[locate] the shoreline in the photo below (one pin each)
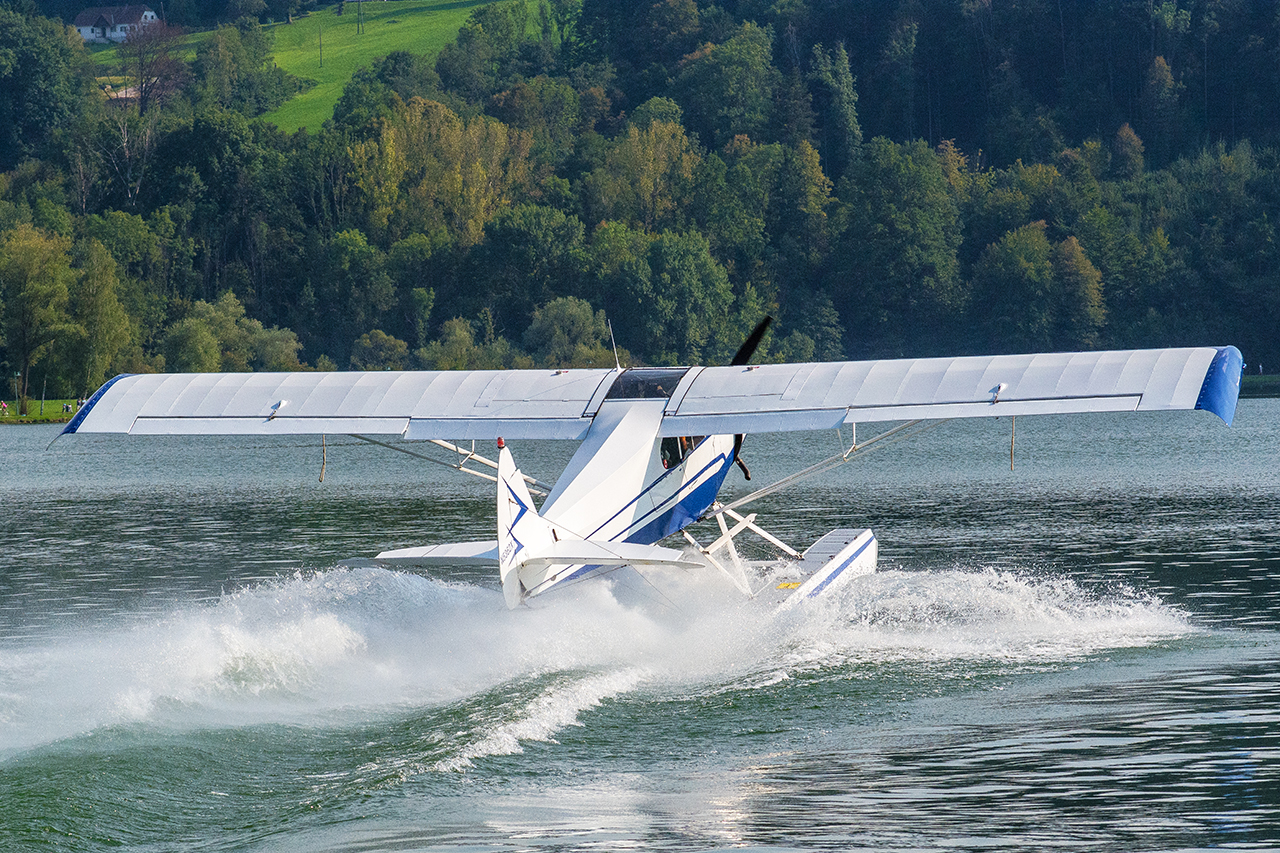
(27, 421)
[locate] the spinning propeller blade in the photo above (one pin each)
(741, 357)
(748, 348)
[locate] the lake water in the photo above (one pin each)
(1081, 653)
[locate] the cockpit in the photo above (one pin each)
(674, 449)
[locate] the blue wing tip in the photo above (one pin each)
(74, 423)
(1221, 388)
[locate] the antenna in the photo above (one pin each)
(616, 363)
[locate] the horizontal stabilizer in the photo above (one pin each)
(591, 552)
(449, 554)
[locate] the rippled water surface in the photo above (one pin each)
(1081, 653)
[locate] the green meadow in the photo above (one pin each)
(418, 26)
(48, 412)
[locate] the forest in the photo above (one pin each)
(886, 179)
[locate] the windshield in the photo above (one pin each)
(646, 382)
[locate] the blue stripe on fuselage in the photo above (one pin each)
(721, 460)
(686, 510)
(674, 519)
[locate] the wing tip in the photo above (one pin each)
(1221, 389)
(74, 424)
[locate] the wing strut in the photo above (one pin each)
(535, 486)
(898, 433)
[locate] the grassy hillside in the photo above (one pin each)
(418, 26)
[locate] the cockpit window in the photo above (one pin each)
(640, 383)
(675, 448)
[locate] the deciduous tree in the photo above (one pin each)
(42, 92)
(35, 278)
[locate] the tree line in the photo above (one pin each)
(909, 179)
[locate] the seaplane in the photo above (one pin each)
(656, 444)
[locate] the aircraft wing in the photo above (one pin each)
(415, 404)
(485, 404)
(788, 397)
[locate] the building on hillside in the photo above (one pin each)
(103, 24)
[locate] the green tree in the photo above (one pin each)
(531, 255)
(1081, 309)
(422, 300)
(1128, 150)
(548, 109)
(895, 267)
(728, 205)
(139, 266)
(484, 55)
(456, 349)
(103, 328)
(42, 92)
(1013, 292)
(234, 70)
(837, 109)
(354, 294)
(376, 350)
(429, 170)
(1160, 110)
(219, 337)
(417, 265)
(728, 89)
(682, 306)
(35, 279)
(645, 176)
(191, 346)
(566, 332)
(657, 109)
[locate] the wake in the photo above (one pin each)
(348, 646)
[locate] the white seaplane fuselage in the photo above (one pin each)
(625, 489)
(626, 485)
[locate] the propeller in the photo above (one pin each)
(748, 348)
(741, 357)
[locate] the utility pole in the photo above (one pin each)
(321, 29)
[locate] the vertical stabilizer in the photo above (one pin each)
(519, 527)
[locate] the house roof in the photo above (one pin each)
(112, 15)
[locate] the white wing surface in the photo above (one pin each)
(788, 397)
(422, 404)
(485, 404)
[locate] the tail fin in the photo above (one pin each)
(546, 552)
(521, 531)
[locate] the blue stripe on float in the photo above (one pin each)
(1221, 388)
(839, 570)
(75, 422)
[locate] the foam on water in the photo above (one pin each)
(345, 646)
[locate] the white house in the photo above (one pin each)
(103, 24)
